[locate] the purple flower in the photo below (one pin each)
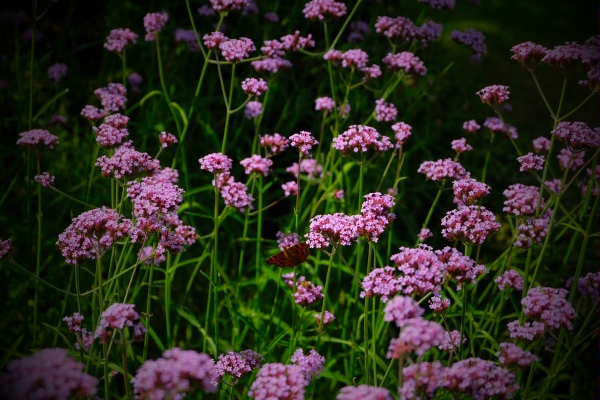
(555, 185)
(569, 159)
(495, 125)
(363, 392)
(494, 95)
(401, 310)
(278, 381)
(418, 335)
(472, 38)
(461, 146)
(112, 97)
(443, 169)
(358, 138)
(166, 139)
(254, 87)
(568, 58)
(541, 144)
(337, 227)
(310, 167)
(290, 188)
(420, 381)
(324, 104)
(511, 279)
(225, 6)
(459, 266)
(235, 50)
(439, 4)
(422, 271)
(272, 65)
(127, 163)
(187, 36)
(214, 40)
(354, 58)
(479, 379)
(91, 234)
(296, 42)
(583, 184)
(92, 113)
(424, 234)
(327, 319)
(273, 48)
(135, 79)
(529, 162)
(154, 22)
(177, 372)
(528, 332)
(577, 135)
(324, 9)
(311, 364)
(451, 341)
(549, 306)
(405, 61)
(253, 109)
(333, 56)
(271, 17)
(372, 72)
(521, 199)
(57, 71)
(469, 191)
(147, 252)
(286, 240)
(57, 120)
(471, 126)
(236, 365)
(375, 215)
(381, 282)
(48, 374)
(511, 356)
(111, 133)
(438, 304)
(119, 38)
(533, 230)
(397, 28)
(235, 194)
(37, 138)
(528, 54)
(276, 142)
(118, 316)
(216, 163)
(385, 111)
(402, 133)
(256, 164)
(304, 141)
(306, 292)
(469, 225)
(45, 180)
(588, 285)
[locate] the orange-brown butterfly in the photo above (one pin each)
(290, 257)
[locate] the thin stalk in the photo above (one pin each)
(435, 201)
(214, 266)
(78, 291)
(228, 116)
(164, 87)
(148, 302)
(168, 300)
(124, 361)
(38, 258)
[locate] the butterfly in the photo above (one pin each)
(290, 257)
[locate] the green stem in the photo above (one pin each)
(38, 258)
(537, 84)
(228, 116)
(214, 266)
(168, 300)
(164, 87)
(435, 201)
(148, 302)
(124, 361)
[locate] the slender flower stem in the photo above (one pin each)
(537, 84)
(164, 87)
(435, 201)
(148, 315)
(168, 300)
(214, 265)
(229, 112)
(38, 258)
(124, 361)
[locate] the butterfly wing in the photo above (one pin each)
(290, 257)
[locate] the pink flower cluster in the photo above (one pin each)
(111, 133)
(521, 199)
(312, 364)
(381, 282)
(57, 71)
(421, 380)
(528, 54)
(402, 133)
(339, 228)
(275, 142)
(119, 316)
(577, 135)
(175, 373)
(363, 392)
(549, 306)
(419, 335)
(224, 6)
(91, 234)
(235, 364)
(405, 61)
(569, 57)
(279, 381)
(324, 9)
(568, 159)
(303, 141)
(214, 40)
(439, 4)
(256, 165)
(235, 194)
(443, 169)
(328, 318)
(375, 215)
(452, 341)
(424, 234)
(290, 188)
(37, 138)
(354, 58)
(533, 230)
(216, 163)
(111, 97)
(126, 162)
(45, 180)
(494, 95)
(306, 292)
(385, 111)
(296, 42)
(460, 267)
(495, 124)
(511, 279)
(287, 240)
(402, 28)
(253, 109)
(187, 36)
(469, 225)
(324, 104)
(358, 138)
(254, 87)
(472, 38)
(588, 285)
(422, 270)
(511, 356)
(310, 167)
(529, 162)
(460, 146)
(471, 126)
(401, 310)
(119, 38)
(528, 332)
(74, 324)
(469, 191)
(541, 144)
(166, 139)
(235, 50)
(583, 184)
(48, 374)
(479, 379)
(5, 248)
(154, 22)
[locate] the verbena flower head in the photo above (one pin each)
(173, 375)
(439, 4)
(311, 364)
(381, 282)
(358, 138)
(286, 240)
(275, 142)
(303, 141)
(363, 392)
(91, 234)
(45, 180)
(273, 48)
(375, 215)
(549, 306)
(593, 79)
(385, 111)
(460, 267)
(469, 191)
(296, 42)
(344, 110)
(422, 271)
(57, 71)
(528, 332)
(235, 50)
(469, 225)
(430, 30)
(588, 285)
(583, 184)
(327, 319)
(461, 146)
(417, 336)
(541, 144)
(290, 188)
(424, 234)
(533, 230)
(472, 38)
(310, 167)
(57, 120)
(438, 304)
(494, 95)
(236, 365)
(213, 41)
(166, 139)
(154, 22)
(555, 185)
(224, 6)
(421, 380)
(118, 316)
(126, 162)
(253, 109)
(112, 132)
(354, 58)
(568, 57)
(372, 72)
(324, 9)
(529, 162)
(216, 163)
(279, 381)
(401, 310)
(471, 126)
(5, 248)
(92, 113)
(405, 61)
(521, 199)
(334, 56)
(256, 164)
(528, 54)
(324, 104)
(187, 36)
(113, 97)
(254, 87)
(306, 292)
(338, 227)
(398, 28)
(577, 135)
(271, 17)
(272, 65)
(568, 159)
(119, 38)
(402, 133)
(511, 279)
(495, 124)
(38, 139)
(451, 341)
(443, 169)
(148, 255)
(49, 374)
(512, 356)
(235, 194)
(135, 79)
(479, 379)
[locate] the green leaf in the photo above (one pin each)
(10, 352)
(192, 320)
(247, 322)
(49, 103)
(151, 94)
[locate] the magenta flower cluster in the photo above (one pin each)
(529, 162)
(287, 240)
(126, 162)
(310, 167)
(37, 139)
(279, 381)
(470, 191)
(113, 98)
(443, 169)
(216, 163)
(363, 392)
(312, 364)
(460, 267)
(256, 165)
(276, 143)
(306, 292)
(421, 380)
(324, 9)
(469, 225)
(401, 310)
(511, 279)
(57, 71)
(111, 133)
(339, 228)
(577, 135)
(451, 341)
(254, 87)
(385, 111)
(45, 180)
(418, 336)
(472, 38)
(303, 141)
(549, 306)
(358, 138)
(422, 271)
(521, 199)
(494, 95)
(511, 356)
(328, 318)
(528, 53)
(154, 22)
(471, 126)
(234, 50)
(405, 61)
(235, 364)
(119, 316)
(119, 38)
